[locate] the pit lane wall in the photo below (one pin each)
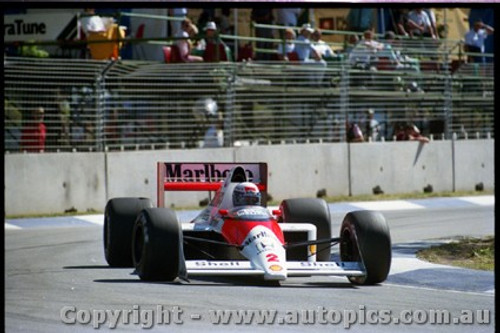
(56, 182)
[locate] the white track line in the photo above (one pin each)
(9, 226)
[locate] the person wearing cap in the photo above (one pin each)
(304, 48)
(34, 132)
(214, 49)
(308, 55)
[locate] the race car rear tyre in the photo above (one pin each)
(365, 236)
(314, 211)
(119, 219)
(156, 247)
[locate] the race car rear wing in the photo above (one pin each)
(192, 176)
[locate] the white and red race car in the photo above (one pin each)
(236, 234)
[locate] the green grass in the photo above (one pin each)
(467, 252)
(330, 199)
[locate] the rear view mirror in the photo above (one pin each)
(223, 212)
(276, 212)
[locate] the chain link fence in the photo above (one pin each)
(128, 105)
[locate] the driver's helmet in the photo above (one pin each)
(246, 194)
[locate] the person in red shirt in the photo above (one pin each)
(34, 133)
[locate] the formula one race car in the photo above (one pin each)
(236, 234)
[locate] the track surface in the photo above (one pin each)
(53, 268)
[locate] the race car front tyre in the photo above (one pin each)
(156, 247)
(119, 219)
(314, 211)
(365, 236)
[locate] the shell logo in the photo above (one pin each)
(275, 268)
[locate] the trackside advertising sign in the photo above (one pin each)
(38, 27)
(208, 172)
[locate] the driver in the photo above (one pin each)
(246, 194)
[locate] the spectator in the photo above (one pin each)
(363, 54)
(400, 21)
(214, 49)
(402, 61)
(34, 132)
(288, 47)
(360, 19)
(90, 22)
(176, 26)
(474, 40)
(262, 15)
(207, 15)
(320, 46)
(410, 132)
(225, 25)
(214, 135)
(420, 24)
(99, 29)
(370, 42)
(63, 116)
(308, 55)
(226, 28)
(372, 126)
(354, 133)
(288, 16)
(432, 18)
(184, 45)
(112, 129)
(305, 50)
(351, 43)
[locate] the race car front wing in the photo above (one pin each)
(294, 268)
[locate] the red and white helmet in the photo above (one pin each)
(245, 194)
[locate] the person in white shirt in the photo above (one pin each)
(91, 22)
(320, 46)
(420, 24)
(474, 40)
(288, 47)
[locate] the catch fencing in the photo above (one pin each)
(131, 105)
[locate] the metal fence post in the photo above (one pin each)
(229, 109)
(100, 90)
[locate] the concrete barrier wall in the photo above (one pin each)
(55, 182)
(50, 183)
(474, 164)
(301, 170)
(401, 167)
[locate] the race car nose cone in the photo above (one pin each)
(266, 253)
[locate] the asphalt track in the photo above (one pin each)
(55, 270)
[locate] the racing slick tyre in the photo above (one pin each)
(119, 219)
(364, 236)
(156, 247)
(314, 211)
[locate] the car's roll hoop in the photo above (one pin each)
(207, 176)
